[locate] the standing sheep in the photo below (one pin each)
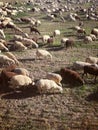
(46, 84)
(70, 76)
(56, 33)
(12, 56)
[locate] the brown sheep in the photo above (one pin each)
(90, 70)
(69, 43)
(71, 77)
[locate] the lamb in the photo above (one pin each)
(55, 77)
(81, 32)
(19, 81)
(43, 53)
(69, 43)
(71, 77)
(94, 31)
(6, 60)
(12, 56)
(46, 84)
(91, 59)
(63, 41)
(3, 47)
(93, 70)
(79, 65)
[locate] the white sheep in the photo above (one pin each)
(29, 42)
(93, 37)
(46, 84)
(2, 34)
(3, 47)
(55, 77)
(43, 53)
(45, 38)
(78, 65)
(17, 37)
(19, 81)
(6, 60)
(88, 39)
(91, 59)
(56, 33)
(19, 45)
(12, 56)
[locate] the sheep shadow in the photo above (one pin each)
(27, 59)
(55, 48)
(92, 97)
(29, 92)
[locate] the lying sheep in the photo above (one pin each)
(4, 60)
(3, 47)
(55, 77)
(19, 81)
(93, 70)
(12, 56)
(91, 59)
(71, 77)
(43, 53)
(79, 65)
(46, 84)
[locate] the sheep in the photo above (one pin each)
(45, 38)
(55, 77)
(93, 37)
(19, 81)
(88, 39)
(70, 76)
(5, 77)
(12, 56)
(63, 41)
(69, 43)
(18, 46)
(3, 47)
(43, 53)
(56, 33)
(81, 32)
(79, 65)
(93, 70)
(2, 34)
(91, 59)
(21, 71)
(46, 84)
(6, 60)
(94, 31)
(29, 42)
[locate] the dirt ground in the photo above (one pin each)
(75, 109)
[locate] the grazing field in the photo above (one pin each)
(74, 109)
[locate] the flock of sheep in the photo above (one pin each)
(16, 77)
